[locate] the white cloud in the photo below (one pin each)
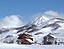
(53, 13)
(11, 21)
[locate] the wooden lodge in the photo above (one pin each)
(24, 39)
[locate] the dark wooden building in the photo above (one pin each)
(49, 40)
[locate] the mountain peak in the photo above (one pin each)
(40, 20)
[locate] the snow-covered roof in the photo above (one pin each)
(53, 36)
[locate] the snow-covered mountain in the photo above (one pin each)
(40, 27)
(43, 22)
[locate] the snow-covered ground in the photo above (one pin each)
(16, 46)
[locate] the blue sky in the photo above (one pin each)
(27, 8)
